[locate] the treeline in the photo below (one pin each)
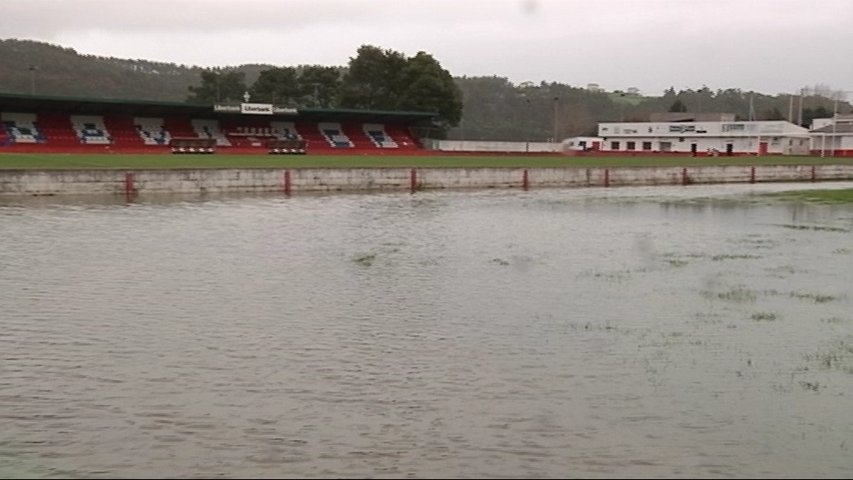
(472, 108)
(496, 109)
(375, 79)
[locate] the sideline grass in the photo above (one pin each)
(817, 196)
(19, 161)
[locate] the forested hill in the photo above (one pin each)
(62, 71)
(493, 107)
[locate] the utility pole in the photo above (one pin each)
(527, 126)
(834, 121)
(751, 108)
(33, 79)
(556, 112)
(800, 115)
(791, 108)
(316, 86)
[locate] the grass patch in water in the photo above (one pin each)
(816, 196)
(812, 386)
(737, 294)
(815, 297)
(816, 228)
(615, 275)
(717, 258)
(838, 356)
(782, 270)
(365, 260)
(764, 316)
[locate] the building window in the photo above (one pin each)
(582, 144)
(630, 145)
(647, 145)
(614, 145)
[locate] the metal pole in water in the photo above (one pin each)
(129, 189)
(413, 180)
(525, 180)
(287, 182)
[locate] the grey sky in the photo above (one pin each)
(771, 46)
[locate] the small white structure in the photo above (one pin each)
(832, 137)
(699, 138)
(581, 144)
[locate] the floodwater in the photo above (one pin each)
(694, 331)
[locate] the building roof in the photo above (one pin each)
(144, 108)
(691, 117)
(840, 128)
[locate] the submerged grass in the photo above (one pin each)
(737, 294)
(365, 260)
(764, 316)
(816, 196)
(817, 228)
(717, 258)
(838, 356)
(815, 297)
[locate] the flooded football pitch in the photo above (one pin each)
(702, 331)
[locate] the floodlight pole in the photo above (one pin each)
(316, 94)
(556, 111)
(834, 122)
(527, 126)
(32, 79)
(836, 97)
(800, 115)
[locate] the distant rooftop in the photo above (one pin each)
(691, 117)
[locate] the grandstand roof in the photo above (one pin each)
(144, 108)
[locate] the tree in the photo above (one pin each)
(277, 85)
(677, 106)
(219, 85)
(320, 86)
(373, 79)
(772, 114)
(429, 87)
(809, 114)
(385, 79)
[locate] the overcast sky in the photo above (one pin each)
(770, 46)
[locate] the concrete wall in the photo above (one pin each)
(485, 146)
(392, 179)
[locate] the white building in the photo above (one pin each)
(832, 136)
(581, 144)
(727, 138)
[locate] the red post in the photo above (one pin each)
(413, 180)
(525, 180)
(606, 177)
(129, 189)
(814, 173)
(287, 182)
(751, 174)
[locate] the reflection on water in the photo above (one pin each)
(675, 332)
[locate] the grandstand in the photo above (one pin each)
(62, 124)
